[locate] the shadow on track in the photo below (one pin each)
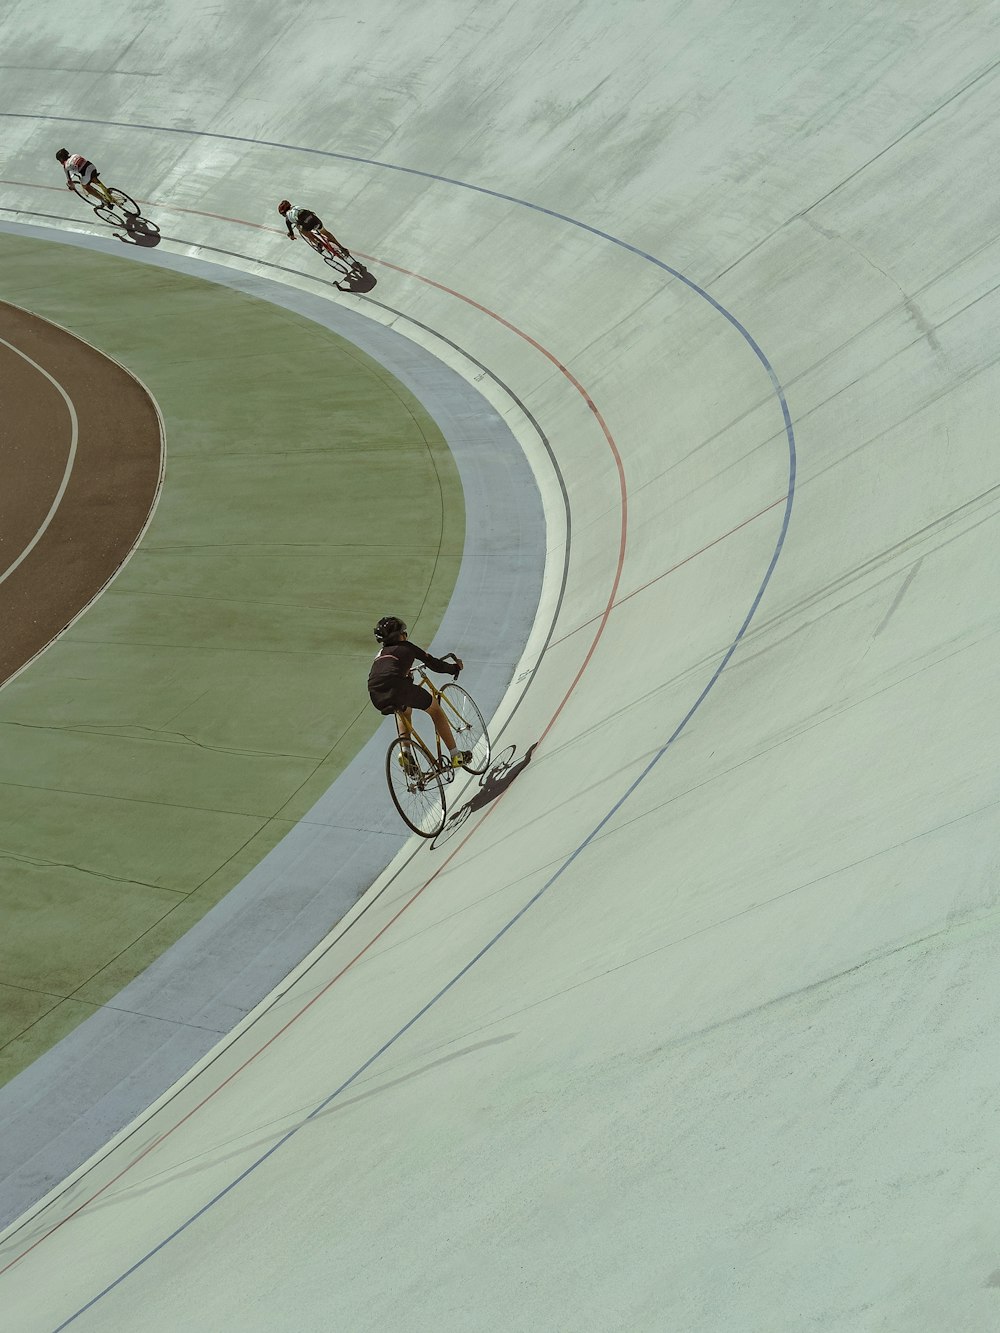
(491, 785)
(139, 231)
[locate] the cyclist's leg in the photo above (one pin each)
(410, 695)
(442, 726)
(331, 240)
(401, 717)
(94, 186)
(404, 730)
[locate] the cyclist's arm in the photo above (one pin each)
(435, 663)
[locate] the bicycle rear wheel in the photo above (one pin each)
(467, 723)
(415, 787)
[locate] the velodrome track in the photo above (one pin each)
(694, 1027)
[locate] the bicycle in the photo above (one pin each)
(117, 207)
(416, 775)
(358, 279)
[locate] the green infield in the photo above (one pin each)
(167, 741)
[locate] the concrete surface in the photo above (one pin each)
(694, 1028)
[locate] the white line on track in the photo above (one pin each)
(67, 471)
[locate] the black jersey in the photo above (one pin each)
(395, 663)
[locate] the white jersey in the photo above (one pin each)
(295, 215)
(76, 165)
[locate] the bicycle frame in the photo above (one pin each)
(407, 732)
(84, 193)
(322, 246)
(352, 274)
(110, 204)
(417, 776)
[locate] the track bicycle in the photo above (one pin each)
(354, 277)
(418, 775)
(117, 206)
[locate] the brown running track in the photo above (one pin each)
(110, 492)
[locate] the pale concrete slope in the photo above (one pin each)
(694, 1037)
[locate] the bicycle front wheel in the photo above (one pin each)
(467, 723)
(415, 787)
(122, 201)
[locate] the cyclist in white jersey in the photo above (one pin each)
(310, 228)
(81, 171)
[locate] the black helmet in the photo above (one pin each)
(62, 155)
(389, 630)
(283, 207)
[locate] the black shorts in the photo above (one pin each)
(396, 694)
(309, 222)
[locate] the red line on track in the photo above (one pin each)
(595, 410)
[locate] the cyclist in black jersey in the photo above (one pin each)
(392, 689)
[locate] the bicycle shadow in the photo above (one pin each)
(492, 785)
(358, 281)
(139, 231)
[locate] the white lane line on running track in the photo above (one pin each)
(67, 471)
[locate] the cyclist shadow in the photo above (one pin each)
(358, 281)
(492, 785)
(139, 231)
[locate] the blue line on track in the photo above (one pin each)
(790, 436)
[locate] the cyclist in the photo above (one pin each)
(310, 228)
(392, 689)
(77, 167)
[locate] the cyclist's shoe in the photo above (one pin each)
(409, 765)
(460, 758)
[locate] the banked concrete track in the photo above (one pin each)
(694, 1026)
